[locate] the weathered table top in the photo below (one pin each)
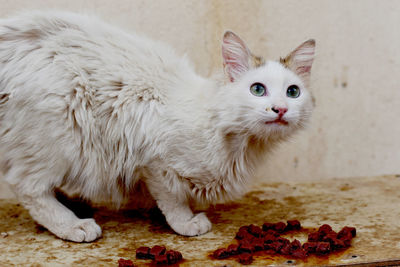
(371, 204)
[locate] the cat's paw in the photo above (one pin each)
(84, 230)
(197, 225)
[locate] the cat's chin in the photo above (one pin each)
(278, 128)
(277, 122)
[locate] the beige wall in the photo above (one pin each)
(355, 130)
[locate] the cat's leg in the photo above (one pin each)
(171, 197)
(36, 194)
(58, 219)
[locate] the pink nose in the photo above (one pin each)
(280, 111)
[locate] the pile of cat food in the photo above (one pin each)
(158, 254)
(268, 238)
(252, 238)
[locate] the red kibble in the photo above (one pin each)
(246, 247)
(333, 240)
(245, 242)
(245, 258)
(324, 229)
(283, 240)
(263, 233)
(173, 256)
(240, 234)
(258, 244)
(155, 251)
(299, 253)
(329, 237)
(178, 255)
(244, 235)
(346, 239)
(295, 245)
(221, 253)
(323, 248)
(143, 253)
(271, 232)
(233, 249)
(275, 246)
(347, 230)
(280, 227)
(269, 247)
(293, 225)
(249, 237)
(161, 259)
(268, 226)
(352, 230)
(255, 230)
(314, 237)
(269, 251)
(125, 263)
(331, 234)
(269, 238)
(285, 249)
(346, 242)
(310, 247)
(337, 243)
(244, 228)
(344, 235)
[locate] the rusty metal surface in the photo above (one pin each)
(371, 204)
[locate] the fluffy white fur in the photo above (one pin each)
(87, 107)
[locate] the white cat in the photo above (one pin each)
(87, 107)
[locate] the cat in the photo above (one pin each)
(86, 107)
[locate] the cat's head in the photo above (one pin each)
(266, 98)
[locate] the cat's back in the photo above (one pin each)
(77, 91)
(68, 45)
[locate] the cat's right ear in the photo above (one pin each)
(301, 59)
(235, 55)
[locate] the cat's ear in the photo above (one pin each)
(300, 60)
(235, 55)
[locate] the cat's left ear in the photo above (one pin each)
(300, 60)
(235, 55)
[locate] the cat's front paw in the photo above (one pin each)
(84, 230)
(197, 225)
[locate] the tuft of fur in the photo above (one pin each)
(88, 108)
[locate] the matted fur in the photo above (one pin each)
(87, 107)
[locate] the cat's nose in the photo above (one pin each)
(279, 110)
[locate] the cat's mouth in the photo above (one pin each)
(277, 121)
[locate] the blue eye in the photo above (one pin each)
(258, 89)
(293, 91)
